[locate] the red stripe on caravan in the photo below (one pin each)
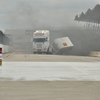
(0, 50)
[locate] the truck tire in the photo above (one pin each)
(39, 52)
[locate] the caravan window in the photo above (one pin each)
(39, 40)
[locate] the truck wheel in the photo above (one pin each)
(39, 52)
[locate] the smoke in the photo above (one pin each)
(26, 16)
(23, 16)
(84, 40)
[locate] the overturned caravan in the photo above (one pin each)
(61, 45)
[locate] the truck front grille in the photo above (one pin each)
(39, 46)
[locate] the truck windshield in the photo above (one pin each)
(39, 40)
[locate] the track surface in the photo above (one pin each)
(50, 71)
(49, 90)
(67, 69)
(47, 58)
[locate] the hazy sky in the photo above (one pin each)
(33, 13)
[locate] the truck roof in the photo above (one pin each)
(42, 31)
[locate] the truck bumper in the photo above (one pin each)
(40, 51)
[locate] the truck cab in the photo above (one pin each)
(41, 42)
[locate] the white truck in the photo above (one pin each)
(41, 41)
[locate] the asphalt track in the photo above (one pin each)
(50, 71)
(44, 77)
